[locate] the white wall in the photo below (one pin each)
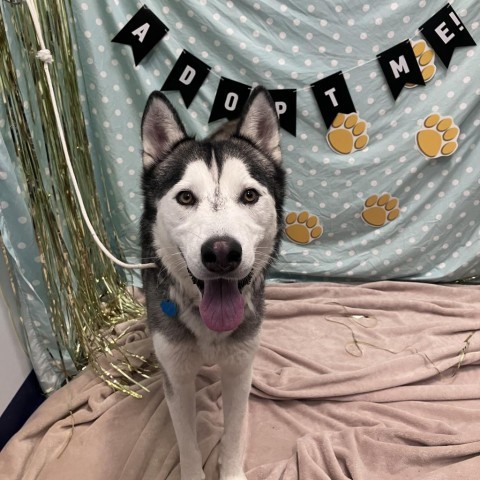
(14, 363)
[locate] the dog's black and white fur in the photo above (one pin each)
(212, 223)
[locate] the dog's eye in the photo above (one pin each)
(250, 196)
(186, 197)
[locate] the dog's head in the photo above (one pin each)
(215, 206)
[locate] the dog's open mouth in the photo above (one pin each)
(222, 304)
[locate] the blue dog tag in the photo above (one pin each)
(168, 307)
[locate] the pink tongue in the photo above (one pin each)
(222, 305)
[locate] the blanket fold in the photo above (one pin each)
(376, 381)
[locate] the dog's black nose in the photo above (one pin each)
(221, 254)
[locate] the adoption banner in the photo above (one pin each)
(333, 97)
(407, 64)
(400, 67)
(142, 33)
(187, 76)
(286, 106)
(229, 100)
(445, 32)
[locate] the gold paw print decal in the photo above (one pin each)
(302, 227)
(380, 210)
(347, 134)
(438, 136)
(426, 60)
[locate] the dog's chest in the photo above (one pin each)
(215, 350)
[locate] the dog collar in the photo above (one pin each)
(169, 308)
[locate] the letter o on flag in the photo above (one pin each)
(231, 101)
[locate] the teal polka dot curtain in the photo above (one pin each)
(388, 192)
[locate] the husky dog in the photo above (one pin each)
(212, 223)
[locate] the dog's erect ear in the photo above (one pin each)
(259, 123)
(161, 128)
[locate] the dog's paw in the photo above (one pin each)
(438, 136)
(230, 466)
(426, 61)
(191, 467)
(232, 476)
(380, 210)
(192, 475)
(347, 134)
(302, 227)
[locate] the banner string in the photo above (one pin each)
(46, 57)
(417, 33)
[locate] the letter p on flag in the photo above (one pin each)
(285, 101)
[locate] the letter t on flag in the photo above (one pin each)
(400, 67)
(333, 97)
(142, 33)
(187, 76)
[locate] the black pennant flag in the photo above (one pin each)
(333, 97)
(400, 67)
(142, 33)
(187, 76)
(286, 106)
(229, 100)
(445, 32)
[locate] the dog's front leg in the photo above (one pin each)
(236, 384)
(180, 397)
(180, 365)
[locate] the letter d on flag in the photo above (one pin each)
(187, 76)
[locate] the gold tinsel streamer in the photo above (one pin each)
(87, 297)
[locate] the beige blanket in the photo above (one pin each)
(368, 382)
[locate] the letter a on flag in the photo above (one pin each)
(142, 33)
